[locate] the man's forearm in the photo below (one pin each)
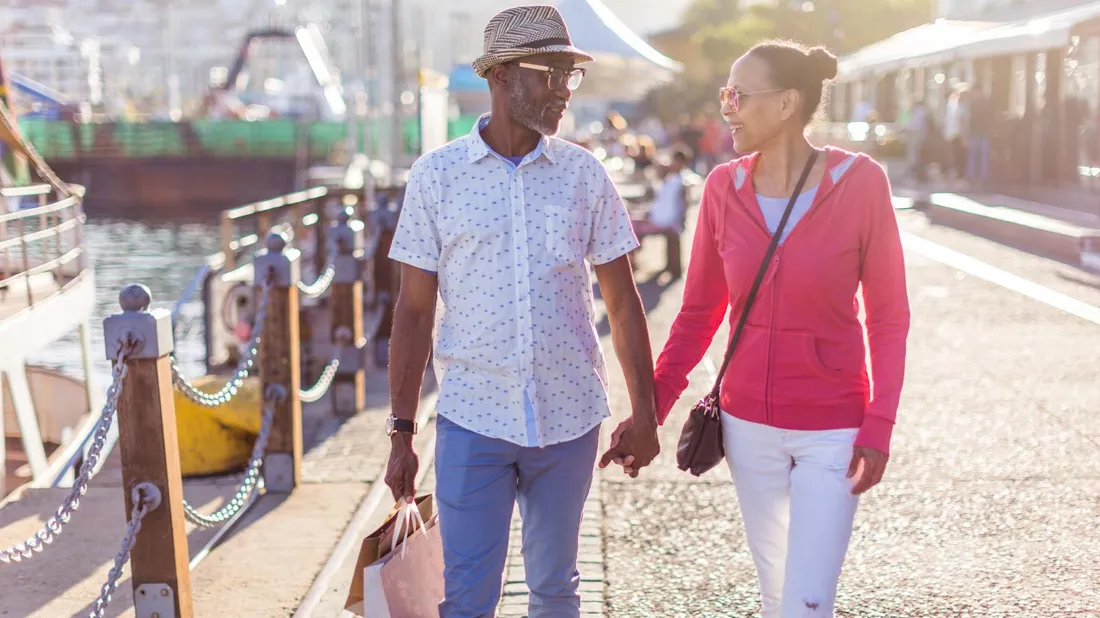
(630, 337)
(410, 346)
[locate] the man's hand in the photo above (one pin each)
(634, 445)
(402, 468)
(870, 472)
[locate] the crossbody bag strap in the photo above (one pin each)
(763, 271)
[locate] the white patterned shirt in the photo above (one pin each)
(509, 246)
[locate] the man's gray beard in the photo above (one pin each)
(524, 112)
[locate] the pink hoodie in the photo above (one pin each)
(801, 362)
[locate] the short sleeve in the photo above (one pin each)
(612, 234)
(416, 241)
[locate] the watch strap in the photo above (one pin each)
(405, 425)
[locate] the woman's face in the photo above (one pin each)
(756, 110)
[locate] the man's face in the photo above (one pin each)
(531, 102)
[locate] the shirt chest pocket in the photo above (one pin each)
(562, 232)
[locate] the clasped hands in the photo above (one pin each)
(634, 444)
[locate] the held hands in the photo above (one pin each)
(870, 472)
(634, 445)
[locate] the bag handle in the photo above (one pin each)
(714, 393)
(410, 517)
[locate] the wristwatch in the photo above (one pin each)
(394, 425)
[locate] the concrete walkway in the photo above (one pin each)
(264, 567)
(988, 509)
(990, 502)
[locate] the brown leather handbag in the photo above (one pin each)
(701, 447)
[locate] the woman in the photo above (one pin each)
(804, 431)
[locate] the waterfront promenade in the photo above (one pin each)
(988, 508)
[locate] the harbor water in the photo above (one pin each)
(162, 254)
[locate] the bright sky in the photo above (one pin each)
(642, 16)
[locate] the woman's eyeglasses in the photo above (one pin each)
(555, 77)
(734, 98)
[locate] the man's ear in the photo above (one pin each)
(499, 75)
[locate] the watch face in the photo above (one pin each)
(389, 425)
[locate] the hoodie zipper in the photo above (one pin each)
(771, 337)
(819, 198)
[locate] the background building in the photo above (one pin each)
(1000, 10)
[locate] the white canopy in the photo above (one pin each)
(626, 67)
(946, 41)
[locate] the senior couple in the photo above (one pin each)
(501, 226)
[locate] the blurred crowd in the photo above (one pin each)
(659, 168)
(704, 139)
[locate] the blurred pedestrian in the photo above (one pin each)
(978, 120)
(954, 133)
(805, 432)
(919, 141)
(502, 226)
(666, 211)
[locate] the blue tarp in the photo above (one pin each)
(464, 79)
(49, 101)
(596, 30)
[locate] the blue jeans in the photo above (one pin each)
(977, 164)
(478, 479)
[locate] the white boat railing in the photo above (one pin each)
(42, 257)
(47, 239)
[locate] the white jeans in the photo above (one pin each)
(798, 509)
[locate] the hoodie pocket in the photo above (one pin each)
(798, 375)
(784, 368)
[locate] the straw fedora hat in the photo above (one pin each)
(525, 31)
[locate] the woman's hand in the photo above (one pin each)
(870, 472)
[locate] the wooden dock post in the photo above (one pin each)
(226, 232)
(149, 448)
(280, 360)
(349, 386)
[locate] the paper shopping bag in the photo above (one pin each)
(408, 582)
(376, 545)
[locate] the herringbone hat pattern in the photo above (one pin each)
(525, 31)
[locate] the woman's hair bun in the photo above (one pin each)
(824, 63)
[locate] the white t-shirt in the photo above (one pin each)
(667, 209)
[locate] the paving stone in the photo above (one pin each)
(990, 501)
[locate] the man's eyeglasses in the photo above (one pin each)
(734, 98)
(555, 77)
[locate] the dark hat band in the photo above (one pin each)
(546, 43)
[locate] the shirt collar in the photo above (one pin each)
(477, 149)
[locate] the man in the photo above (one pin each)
(500, 224)
(666, 211)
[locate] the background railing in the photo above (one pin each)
(41, 247)
(139, 342)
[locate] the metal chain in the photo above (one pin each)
(273, 394)
(35, 544)
(324, 382)
(244, 367)
(146, 498)
(319, 287)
